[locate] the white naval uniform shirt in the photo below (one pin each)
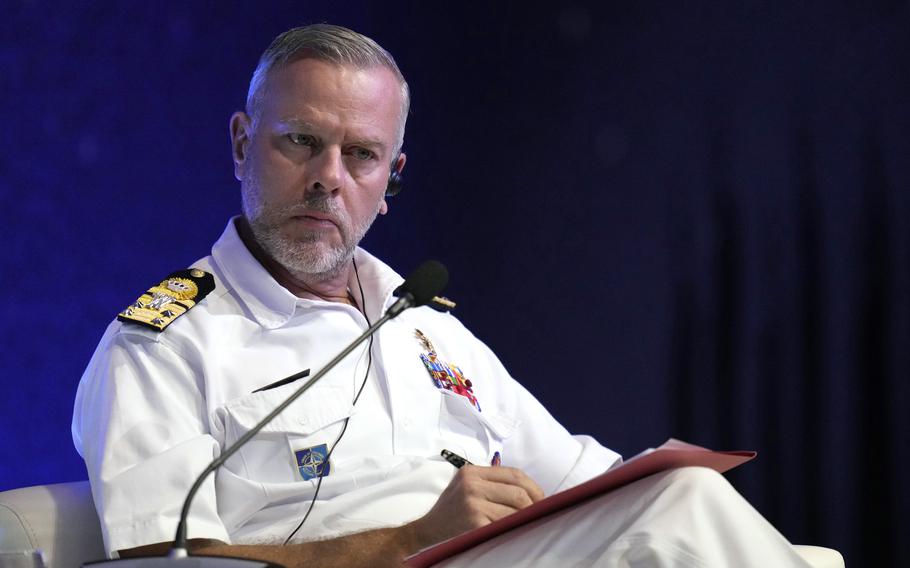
(153, 409)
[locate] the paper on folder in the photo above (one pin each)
(670, 455)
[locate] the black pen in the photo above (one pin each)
(454, 458)
(285, 381)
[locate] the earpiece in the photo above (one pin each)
(395, 181)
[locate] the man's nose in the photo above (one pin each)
(326, 170)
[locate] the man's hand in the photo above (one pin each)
(475, 497)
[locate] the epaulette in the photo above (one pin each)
(170, 299)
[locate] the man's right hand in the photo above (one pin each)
(475, 497)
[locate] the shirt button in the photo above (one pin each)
(406, 423)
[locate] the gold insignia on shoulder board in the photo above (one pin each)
(170, 299)
(178, 288)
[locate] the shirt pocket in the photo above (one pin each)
(475, 435)
(315, 418)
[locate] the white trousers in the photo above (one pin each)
(689, 517)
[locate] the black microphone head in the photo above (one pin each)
(426, 281)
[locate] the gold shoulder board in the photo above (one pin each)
(170, 299)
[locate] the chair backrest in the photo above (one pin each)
(58, 519)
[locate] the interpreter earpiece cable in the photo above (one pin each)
(344, 427)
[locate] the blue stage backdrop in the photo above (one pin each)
(667, 221)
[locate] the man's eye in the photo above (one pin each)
(362, 154)
(301, 139)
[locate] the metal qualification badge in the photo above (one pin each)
(445, 375)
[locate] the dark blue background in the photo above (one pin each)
(667, 221)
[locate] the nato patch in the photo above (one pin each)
(313, 462)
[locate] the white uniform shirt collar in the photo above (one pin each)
(271, 304)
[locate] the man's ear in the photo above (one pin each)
(399, 163)
(241, 131)
(398, 166)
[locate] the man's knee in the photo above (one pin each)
(700, 483)
(697, 477)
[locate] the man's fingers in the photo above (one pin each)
(512, 496)
(476, 496)
(512, 489)
(490, 511)
(508, 476)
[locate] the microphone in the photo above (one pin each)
(418, 289)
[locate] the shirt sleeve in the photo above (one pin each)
(139, 424)
(547, 452)
(539, 445)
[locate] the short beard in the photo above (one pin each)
(305, 258)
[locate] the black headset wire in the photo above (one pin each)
(344, 427)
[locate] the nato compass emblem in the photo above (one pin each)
(313, 462)
(445, 375)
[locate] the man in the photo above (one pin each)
(350, 474)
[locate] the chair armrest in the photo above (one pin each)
(819, 557)
(58, 519)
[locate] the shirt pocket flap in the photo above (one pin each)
(314, 410)
(500, 425)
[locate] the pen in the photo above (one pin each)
(285, 381)
(454, 458)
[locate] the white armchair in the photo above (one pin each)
(61, 521)
(58, 519)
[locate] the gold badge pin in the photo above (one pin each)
(443, 303)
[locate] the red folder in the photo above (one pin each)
(670, 455)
